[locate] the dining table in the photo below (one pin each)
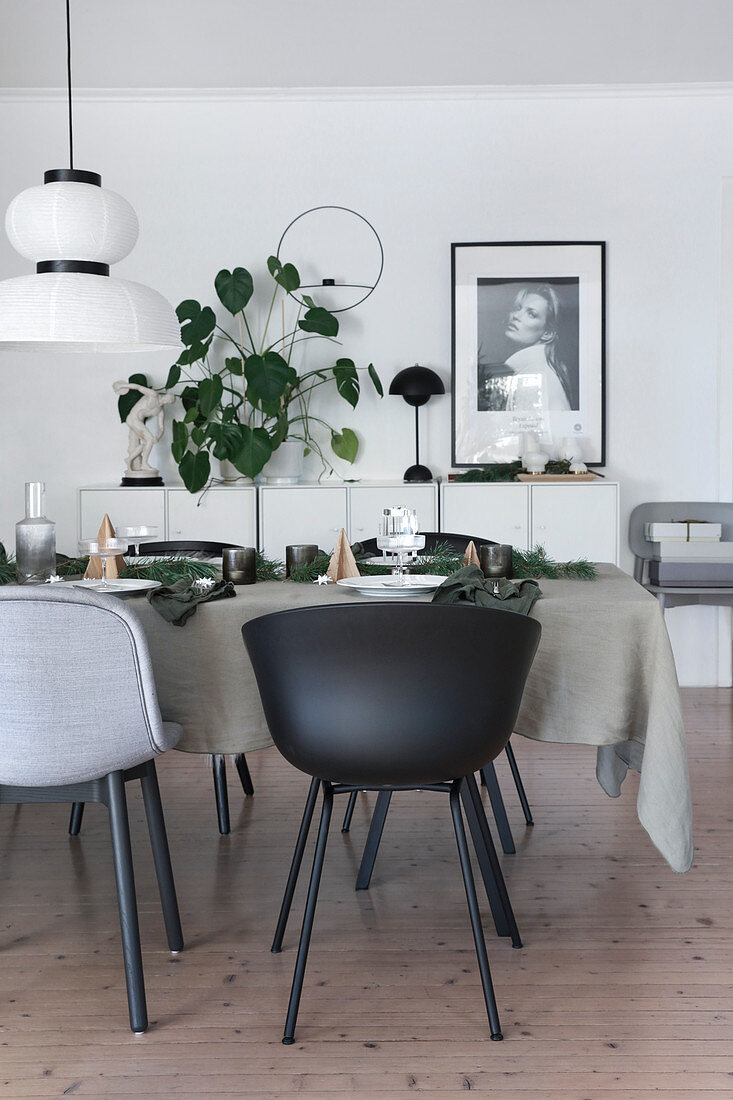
(604, 675)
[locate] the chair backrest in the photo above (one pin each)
(391, 693)
(77, 696)
(663, 511)
(183, 546)
(433, 539)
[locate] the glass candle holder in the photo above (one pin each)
(496, 561)
(301, 553)
(239, 564)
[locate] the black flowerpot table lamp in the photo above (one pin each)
(417, 385)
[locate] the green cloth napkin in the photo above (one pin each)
(470, 585)
(177, 602)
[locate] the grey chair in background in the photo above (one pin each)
(662, 511)
(79, 718)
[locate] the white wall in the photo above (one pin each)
(333, 43)
(214, 182)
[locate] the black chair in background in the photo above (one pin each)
(189, 547)
(433, 539)
(198, 550)
(429, 698)
(488, 775)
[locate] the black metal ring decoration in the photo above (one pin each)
(369, 287)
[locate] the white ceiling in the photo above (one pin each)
(369, 43)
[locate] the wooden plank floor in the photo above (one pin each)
(624, 988)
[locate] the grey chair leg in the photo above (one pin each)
(372, 844)
(349, 812)
(497, 805)
(240, 762)
(219, 768)
(77, 812)
(127, 902)
(487, 871)
(305, 824)
(519, 784)
(470, 782)
(161, 857)
(478, 935)
(310, 909)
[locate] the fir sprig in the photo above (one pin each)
(7, 567)
(537, 563)
(169, 570)
(268, 569)
(310, 571)
(165, 570)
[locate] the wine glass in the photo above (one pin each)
(104, 548)
(136, 535)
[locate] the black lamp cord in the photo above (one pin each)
(68, 84)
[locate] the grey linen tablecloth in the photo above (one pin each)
(604, 675)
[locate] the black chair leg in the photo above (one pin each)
(240, 762)
(310, 909)
(77, 813)
(305, 824)
(372, 844)
(349, 812)
(498, 911)
(519, 784)
(498, 877)
(161, 857)
(219, 767)
(127, 902)
(497, 805)
(478, 935)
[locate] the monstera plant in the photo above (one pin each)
(241, 395)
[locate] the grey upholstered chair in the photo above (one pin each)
(78, 719)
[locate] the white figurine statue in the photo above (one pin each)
(151, 404)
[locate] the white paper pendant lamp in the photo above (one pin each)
(73, 229)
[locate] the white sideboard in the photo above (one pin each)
(570, 521)
(218, 515)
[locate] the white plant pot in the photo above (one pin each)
(285, 467)
(229, 473)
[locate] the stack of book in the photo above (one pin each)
(689, 553)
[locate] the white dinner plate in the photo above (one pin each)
(415, 584)
(120, 586)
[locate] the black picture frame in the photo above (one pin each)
(528, 348)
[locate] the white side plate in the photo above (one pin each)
(118, 587)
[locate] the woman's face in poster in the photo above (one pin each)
(528, 319)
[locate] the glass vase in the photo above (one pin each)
(35, 538)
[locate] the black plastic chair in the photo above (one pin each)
(202, 550)
(433, 539)
(488, 775)
(184, 546)
(428, 699)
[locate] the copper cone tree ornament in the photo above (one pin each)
(342, 563)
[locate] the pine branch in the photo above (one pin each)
(268, 569)
(169, 570)
(537, 563)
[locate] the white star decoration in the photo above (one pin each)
(325, 579)
(203, 583)
(54, 578)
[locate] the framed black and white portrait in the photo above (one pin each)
(528, 348)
